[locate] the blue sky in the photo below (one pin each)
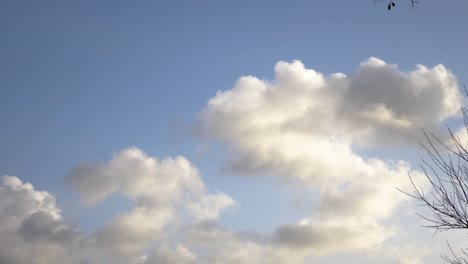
(81, 80)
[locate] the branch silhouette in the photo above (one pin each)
(447, 175)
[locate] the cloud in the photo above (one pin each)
(235, 247)
(304, 127)
(164, 192)
(374, 106)
(166, 255)
(167, 195)
(459, 140)
(332, 235)
(32, 229)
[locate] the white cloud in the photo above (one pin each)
(164, 192)
(375, 105)
(32, 229)
(167, 194)
(303, 126)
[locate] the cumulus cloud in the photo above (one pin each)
(234, 247)
(167, 194)
(304, 126)
(331, 235)
(375, 105)
(163, 192)
(167, 255)
(32, 229)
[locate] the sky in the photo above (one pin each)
(232, 132)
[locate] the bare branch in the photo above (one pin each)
(447, 174)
